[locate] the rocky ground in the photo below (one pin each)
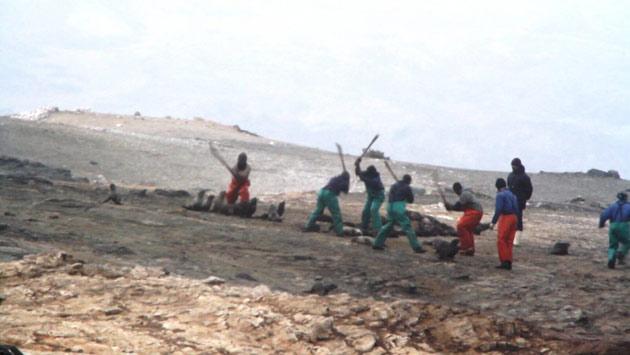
(132, 278)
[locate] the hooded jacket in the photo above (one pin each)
(400, 191)
(521, 185)
(339, 183)
(617, 212)
(372, 180)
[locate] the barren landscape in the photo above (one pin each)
(151, 277)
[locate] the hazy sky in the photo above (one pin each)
(456, 83)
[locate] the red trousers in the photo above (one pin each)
(237, 190)
(505, 236)
(466, 230)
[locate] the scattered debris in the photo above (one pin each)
(560, 248)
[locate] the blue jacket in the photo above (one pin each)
(617, 212)
(372, 181)
(400, 192)
(506, 203)
(339, 183)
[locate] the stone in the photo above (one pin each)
(246, 276)
(110, 311)
(213, 280)
(560, 248)
(363, 343)
(362, 239)
(322, 288)
(321, 330)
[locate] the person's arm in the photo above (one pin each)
(528, 188)
(357, 167)
(345, 185)
(497, 209)
(605, 216)
(409, 195)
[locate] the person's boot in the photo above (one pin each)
(621, 259)
(611, 264)
(420, 250)
(313, 228)
(378, 247)
(506, 265)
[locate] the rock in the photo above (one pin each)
(137, 114)
(245, 276)
(560, 248)
(113, 249)
(603, 174)
(2, 298)
(110, 311)
(322, 288)
(213, 280)
(363, 343)
(92, 162)
(321, 330)
(9, 214)
(3, 227)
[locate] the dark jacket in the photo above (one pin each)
(400, 191)
(505, 204)
(339, 183)
(617, 212)
(372, 181)
(521, 185)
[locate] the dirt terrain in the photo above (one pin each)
(551, 304)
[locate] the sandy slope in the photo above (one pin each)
(173, 153)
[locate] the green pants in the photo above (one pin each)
(371, 210)
(618, 232)
(397, 213)
(327, 199)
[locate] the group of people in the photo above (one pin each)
(511, 200)
(510, 203)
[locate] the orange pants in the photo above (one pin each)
(237, 190)
(505, 236)
(466, 230)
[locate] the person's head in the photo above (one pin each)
(500, 184)
(242, 161)
(407, 179)
(457, 188)
(516, 164)
(371, 170)
(622, 196)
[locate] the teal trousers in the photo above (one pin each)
(371, 210)
(618, 232)
(327, 199)
(397, 213)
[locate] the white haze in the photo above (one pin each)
(465, 84)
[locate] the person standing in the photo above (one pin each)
(466, 224)
(619, 231)
(375, 196)
(399, 195)
(327, 198)
(239, 186)
(521, 185)
(506, 214)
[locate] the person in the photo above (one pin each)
(239, 186)
(327, 198)
(521, 185)
(399, 195)
(375, 197)
(506, 214)
(466, 224)
(618, 232)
